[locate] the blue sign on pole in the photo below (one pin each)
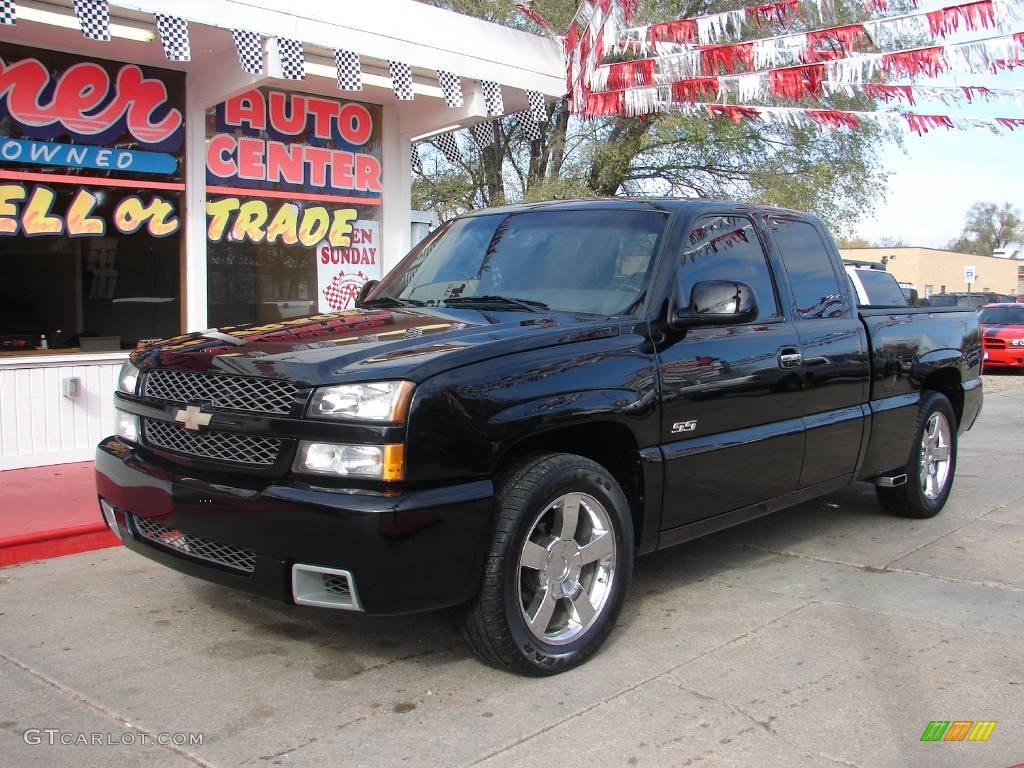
(83, 156)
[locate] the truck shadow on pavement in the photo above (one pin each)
(345, 644)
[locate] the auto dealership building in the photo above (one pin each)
(174, 165)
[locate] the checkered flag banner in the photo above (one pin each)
(449, 148)
(415, 159)
(531, 128)
(492, 98)
(249, 46)
(451, 84)
(341, 293)
(7, 13)
(293, 64)
(537, 109)
(173, 37)
(94, 18)
(350, 73)
(401, 79)
(483, 134)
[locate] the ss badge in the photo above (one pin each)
(684, 426)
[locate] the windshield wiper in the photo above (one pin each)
(506, 301)
(392, 301)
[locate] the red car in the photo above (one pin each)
(1002, 335)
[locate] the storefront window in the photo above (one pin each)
(91, 163)
(293, 211)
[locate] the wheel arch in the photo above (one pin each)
(611, 444)
(948, 381)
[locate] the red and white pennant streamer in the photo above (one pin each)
(825, 61)
(832, 119)
(728, 25)
(988, 55)
(815, 46)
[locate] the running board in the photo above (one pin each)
(891, 481)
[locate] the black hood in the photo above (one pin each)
(367, 344)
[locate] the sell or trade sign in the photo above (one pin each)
(341, 271)
(31, 210)
(259, 221)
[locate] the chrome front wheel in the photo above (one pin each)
(566, 568)
(558, 568)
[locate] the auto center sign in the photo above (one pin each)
(275, 154)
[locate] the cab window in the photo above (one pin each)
(809, 266)
(727, 248)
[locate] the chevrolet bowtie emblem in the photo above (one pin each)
(193, 418)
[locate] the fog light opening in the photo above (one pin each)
(324, 587)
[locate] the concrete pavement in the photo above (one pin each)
(825, 635)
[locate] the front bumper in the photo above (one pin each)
(406, 551)
(1011, 357)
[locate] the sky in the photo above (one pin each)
(936, 177)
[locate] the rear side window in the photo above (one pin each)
(727, 248)
(881, 288)
(807, 260)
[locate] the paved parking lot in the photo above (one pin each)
(826, 635)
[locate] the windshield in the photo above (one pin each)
(588, 261)
(1002, 315)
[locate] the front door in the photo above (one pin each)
(732, 432)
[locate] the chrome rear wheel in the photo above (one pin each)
(934, 456)
(931, 466)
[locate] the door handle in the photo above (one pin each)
(790, 357)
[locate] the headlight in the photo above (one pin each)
(375, 401)
(379, 462)
(128, 379)
(1017, 342)
(126, 425)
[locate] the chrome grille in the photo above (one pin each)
(211, 444)
(241, 393)
(196, 546)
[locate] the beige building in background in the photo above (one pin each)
(932, 270)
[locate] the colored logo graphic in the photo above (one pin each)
(958, 730)
(343, 290)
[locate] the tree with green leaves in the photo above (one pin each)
(835, 174)
(988, 227)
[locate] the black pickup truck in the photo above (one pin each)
(532, 398)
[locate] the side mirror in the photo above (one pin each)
(368, 286)
(716, 302)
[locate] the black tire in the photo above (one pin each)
(493, 624)
(910, 499)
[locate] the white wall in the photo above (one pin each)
(38, 425)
